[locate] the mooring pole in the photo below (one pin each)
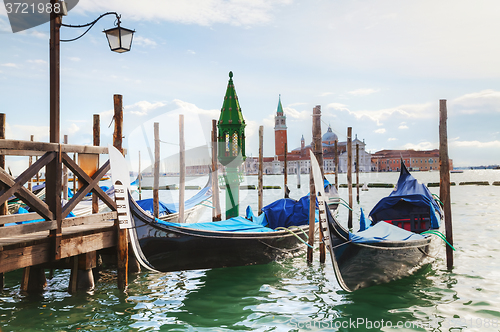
(216, 211)
(298, 174)
(156, 174)
(444, 186)
(336, 166)
(318, 153)
(139, 176)
(349, 174)
(357, 172)
(261, 168)
(122, 240)
(96, 129)
(182, 167)
(64, 175)
(285, 173)
(312, 214)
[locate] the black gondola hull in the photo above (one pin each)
(169, 248)
(359, 265)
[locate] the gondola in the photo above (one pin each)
(165, 246)
(393, 246)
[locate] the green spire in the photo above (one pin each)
(231, 110)
(280, 108)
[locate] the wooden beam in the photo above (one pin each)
(349, 175)
(156, 175)
(261, 165)
(9, 147)
(92, 185)
(18, 183)
(318, 153)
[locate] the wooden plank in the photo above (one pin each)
(10, 146)
(25, 256)
(92, 242)
(6, 219)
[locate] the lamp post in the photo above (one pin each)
(120, 40)
(231, 148)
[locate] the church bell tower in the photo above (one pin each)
(280, 137)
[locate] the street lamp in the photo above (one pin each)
(120, 40)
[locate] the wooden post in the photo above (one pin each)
(97, 141)
(444, 186)
(139, 177)
(65, 175)
(216, 211)
(336, 166)
(182, 167)
(30, 162)
(122, 239)
(261, 166)
(357, 172)
(349, 174)
(298, 174)
(285, 173)
(3, 207)
(74, 175)
(318, 153)
(312, 219)
(156, 183)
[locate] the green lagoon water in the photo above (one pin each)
(290, 295)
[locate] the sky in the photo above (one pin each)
(380, 67)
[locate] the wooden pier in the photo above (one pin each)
(56, 241)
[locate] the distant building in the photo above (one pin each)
(390, 160)
(298, 159)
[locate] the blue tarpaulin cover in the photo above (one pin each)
(383, 231)
(236, 224)
(168, 208)
(287, 212)
(412, 191)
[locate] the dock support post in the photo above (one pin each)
(216, 212)
(318, 153)
(349, 174)
(139, 176)
(444, 186)
(30, 162)
(156, 174)
(312, 214)
(122, 238)
(261, 168)
(182, 168)
(34, 280)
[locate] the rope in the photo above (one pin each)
(298, 237)
(441, 235)
(437, 198)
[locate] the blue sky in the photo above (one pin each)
(377, 66)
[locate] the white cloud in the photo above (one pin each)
(143, 107)
(293, 113)
(202, 12)
(324, 94)
(380, 131)
(23, 132)
(72, 129)
(420, 146)
(38, 62)
(403, 126)
(392, 139)
(191, 52)
(74, 58)
(486, 101)
(10, 65)
(139, 40)
(363, 92)
(476, 144)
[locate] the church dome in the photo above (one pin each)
(329, 136)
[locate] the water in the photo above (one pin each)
(290, 295)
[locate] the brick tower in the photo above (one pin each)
(280, 131)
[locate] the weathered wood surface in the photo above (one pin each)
(349, 174)
(27, 148)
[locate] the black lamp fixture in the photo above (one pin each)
(119, 38)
